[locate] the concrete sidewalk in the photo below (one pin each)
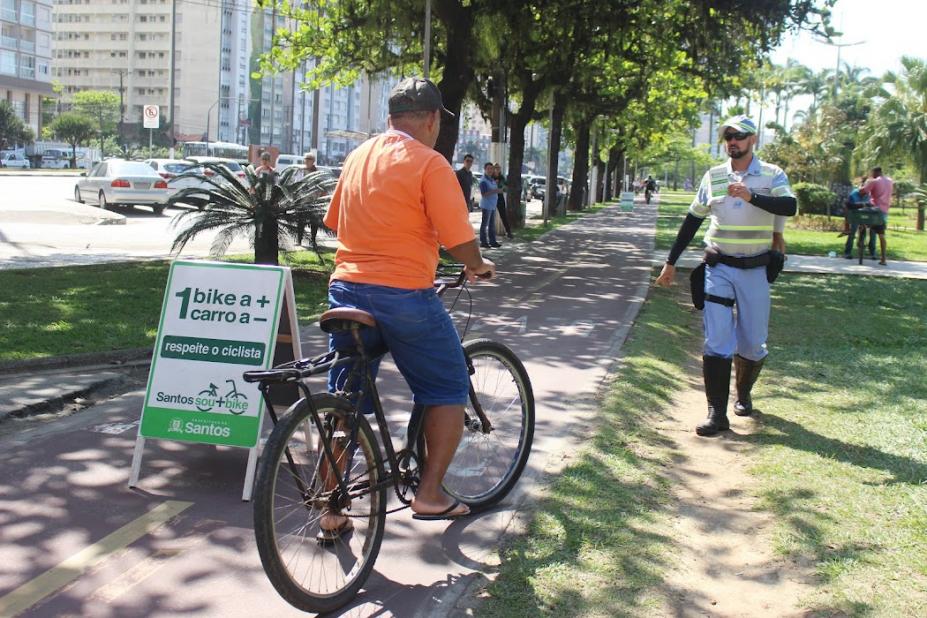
(811, 264)
(53, 384)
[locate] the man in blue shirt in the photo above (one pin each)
(490, 196)
(857, 200)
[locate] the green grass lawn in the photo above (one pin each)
(803, 235)
(77, 309)
(840, 458)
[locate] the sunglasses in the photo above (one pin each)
(738, 136)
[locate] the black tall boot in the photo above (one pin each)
(717, 373)
(745, 374)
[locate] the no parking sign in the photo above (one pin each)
(151, 116)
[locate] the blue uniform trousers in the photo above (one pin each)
(743, 328)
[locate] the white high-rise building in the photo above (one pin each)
(125, 46)
(25, 57)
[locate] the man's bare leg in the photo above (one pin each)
(443, 429)
(332, 520)
(882, 247)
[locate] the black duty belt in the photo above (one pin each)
(713, 258)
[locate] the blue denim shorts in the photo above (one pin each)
(419, 334)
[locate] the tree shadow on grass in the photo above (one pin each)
(793, 435)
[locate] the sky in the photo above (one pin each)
(885, 29)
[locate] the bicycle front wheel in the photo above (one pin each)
(314, 571)
(487, 464)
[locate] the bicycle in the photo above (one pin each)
(864, 218)
(324, 457)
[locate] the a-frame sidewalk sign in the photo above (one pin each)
(218, 320)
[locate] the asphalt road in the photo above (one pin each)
(77, 541)
(41, 225)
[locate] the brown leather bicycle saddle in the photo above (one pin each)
(345, 318)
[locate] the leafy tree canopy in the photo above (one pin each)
(12, 129)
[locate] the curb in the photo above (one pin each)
(117, 357)
(42, 174)
(104, 385)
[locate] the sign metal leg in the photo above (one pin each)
(136, 460)
(249, 474)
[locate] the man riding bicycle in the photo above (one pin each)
(650, 187)
(397, 201)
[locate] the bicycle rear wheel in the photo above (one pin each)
(487, 465)
(290, 498)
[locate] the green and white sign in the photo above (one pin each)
(626, 201)
(218, 321)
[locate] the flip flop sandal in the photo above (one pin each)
(330, 536)
(447, 513)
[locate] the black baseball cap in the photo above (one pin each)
(414, 94)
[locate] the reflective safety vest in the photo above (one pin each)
(737, 227)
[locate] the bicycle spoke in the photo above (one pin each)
(486, 465)
(306, 563)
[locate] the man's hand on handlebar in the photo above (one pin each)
(486, 270)
(469, 253)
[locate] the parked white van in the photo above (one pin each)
(288, 160)
(14, 159)
(56, 159)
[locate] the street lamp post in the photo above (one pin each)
(839, 47)
(427, 42)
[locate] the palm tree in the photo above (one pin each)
(816, 85)
(898, 128)
(265, 209)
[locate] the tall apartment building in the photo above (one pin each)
(125, 46)
(25, 57)
(330, 120)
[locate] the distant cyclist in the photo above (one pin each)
(650, 187)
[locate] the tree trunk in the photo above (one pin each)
(519, 121)
(610, 173)
(619, 173)
(458, 69)
(513, 175)
(920, 219)
(600, 179)
(580, 163)
(553, 159)
(266, 239)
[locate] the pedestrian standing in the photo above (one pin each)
(465, 178)
(879, 189)
(747, 201)
(500, 204)
(489, 196)
(308, 167)
(855, 201)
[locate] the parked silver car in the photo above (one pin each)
(170, 169)
(117, 182)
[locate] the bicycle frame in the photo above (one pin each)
(362, 374)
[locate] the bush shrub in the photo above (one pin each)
(814, 199)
